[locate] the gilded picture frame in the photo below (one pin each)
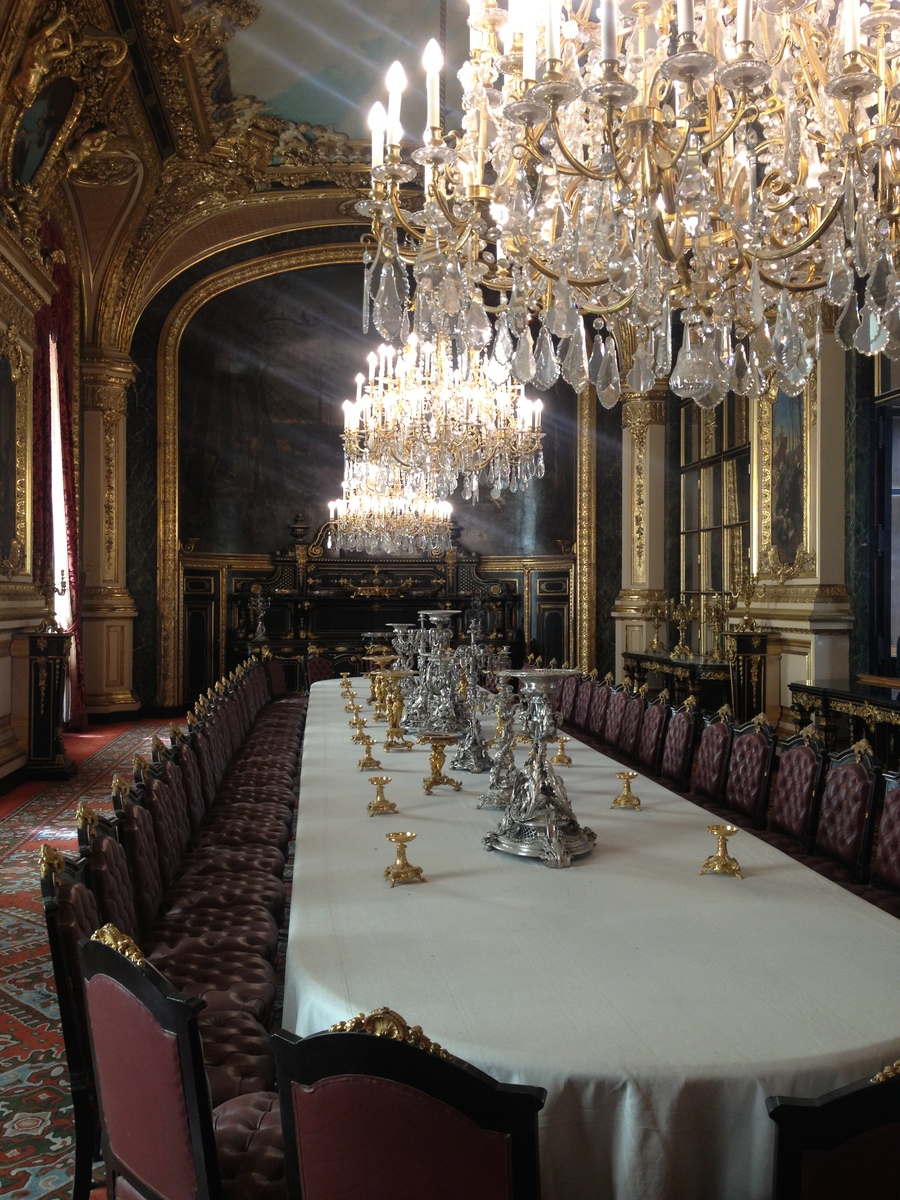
(15, 456)
(785, 437)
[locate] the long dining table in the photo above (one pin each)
(659, 1007)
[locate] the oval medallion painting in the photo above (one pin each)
(39, 128)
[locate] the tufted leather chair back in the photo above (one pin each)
(630, 730)
(678, 748)
(567, 697)
(711, 762)
(615, 715)
(886, 855)
(143, 862)
(653, 731)
(796, 789)
(750, 770)
(582, 703)
(318, 667)
(598, 709)
(846, 814)
(110, 882)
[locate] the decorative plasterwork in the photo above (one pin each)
(106, 380)
(168, 586)
(638, 414)
(586, 531)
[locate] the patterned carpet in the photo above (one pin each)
(35, 1114)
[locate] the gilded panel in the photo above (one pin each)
(15, 457)
(785, 437)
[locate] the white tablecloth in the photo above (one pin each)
(658, 1007)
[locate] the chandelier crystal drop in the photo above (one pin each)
(739, 162)
(397, 520)
(431, 418)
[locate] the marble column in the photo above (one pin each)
(108, 610)
(643, 513)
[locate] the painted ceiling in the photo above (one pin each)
(325, 63)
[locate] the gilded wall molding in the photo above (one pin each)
(639, 412)
(15, 558)
(104, 388)
(586, 531)
(170, 633)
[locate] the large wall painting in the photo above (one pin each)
(785, 434)
(263, 371)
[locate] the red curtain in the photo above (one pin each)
(55, 320)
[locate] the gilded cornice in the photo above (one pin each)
(168, 590)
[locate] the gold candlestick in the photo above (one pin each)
(560, 758)
(380, 805)
(658, 612)
(360, 726)
(354, 708)
(400, 870)
(717, 615)
(439, 743)
(626, 798)
(368, 763)
(682, 614)
(351, 701)
(745, 589)
(721, 863)
(394, 739)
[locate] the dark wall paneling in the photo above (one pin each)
(861, 542)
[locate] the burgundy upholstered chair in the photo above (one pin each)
(750, 771)
(393, 1117)
(318, 667)
(162, 1140)
(599, 707)
(843, 840)
(840, 1146)
(630, 729)
(615, 714)
(567, 694)
(678, 747)
(711, 761)
(796, 792)
(582, 703)
(884, 886)
(653, 731)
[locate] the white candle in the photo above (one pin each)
(360, 380)
(553, 20)
(475, 35)
(538, 408)
(685, 16)
(608, 41)
(348, 413)
(377, 123)
(529, 42)
(744, 18)
(396, 82)
(432, 61)
(851, 26)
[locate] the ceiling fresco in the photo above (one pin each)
(325, 64)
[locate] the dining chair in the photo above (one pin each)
(649, 749)
(632, 721)
(615, 714)
(582, 702)
(678, 747)
(749, 775)
(845, 826)
(599, 707)
(883, 888)
(373, 1108)
(318, 667)
(711, 760)
(161, 1137)
(567, 693)
(796, 792)
(844, 1145)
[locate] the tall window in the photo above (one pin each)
(715, 507)
(62, 603)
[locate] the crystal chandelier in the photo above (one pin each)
(736, 162)
(434, 416)
(394, 520)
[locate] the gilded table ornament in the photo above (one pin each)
(400, 870)
(367, 762)
(560, 758)
(351, 702)
(359, 725)
(439, 743)
(626, 798)
(722, 863)
(380, 805)
(539, 821)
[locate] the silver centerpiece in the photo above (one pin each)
(434, 704)
(471, 660)
(539, 821)
(504, 772)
